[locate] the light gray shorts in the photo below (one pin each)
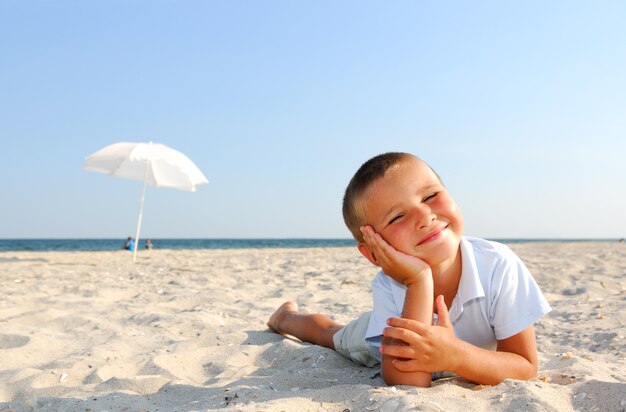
(350, 342)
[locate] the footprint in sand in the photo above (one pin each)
(13, 341)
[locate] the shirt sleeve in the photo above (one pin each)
(385, 306)
(517, 301)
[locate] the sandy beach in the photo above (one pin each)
(185, 331)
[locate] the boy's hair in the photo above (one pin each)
(373, 169)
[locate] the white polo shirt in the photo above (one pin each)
(496, 299)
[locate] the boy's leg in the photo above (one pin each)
(314, 328)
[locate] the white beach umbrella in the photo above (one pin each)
(152, 163)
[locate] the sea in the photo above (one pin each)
(44, 245)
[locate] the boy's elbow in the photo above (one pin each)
(531, 371)
(392, 377)
(527, 372)
(419, 381)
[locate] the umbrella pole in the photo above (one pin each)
(143, 195)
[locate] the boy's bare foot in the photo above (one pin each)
(287, 308)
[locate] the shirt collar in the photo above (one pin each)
(470, 287)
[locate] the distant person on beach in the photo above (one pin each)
(406, 223)
(148, 244)
(129, 244)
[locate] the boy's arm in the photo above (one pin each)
(515, 358)
(416, 275)
(418, 305)
(435, 348)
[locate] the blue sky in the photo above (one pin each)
(520, 107)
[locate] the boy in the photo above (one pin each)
(406, 223)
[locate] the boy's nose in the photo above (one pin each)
(426, 217)
(429, 220)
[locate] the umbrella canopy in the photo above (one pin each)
(152, 163)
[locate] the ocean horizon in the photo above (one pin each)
(72, 244)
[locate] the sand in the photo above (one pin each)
(185, 331)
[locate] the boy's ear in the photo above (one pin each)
(367, 252)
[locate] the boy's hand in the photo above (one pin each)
(428, 346)
(399, 266)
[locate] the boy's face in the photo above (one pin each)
(411, 209)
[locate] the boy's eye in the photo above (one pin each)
(394, 219)
(427, 198)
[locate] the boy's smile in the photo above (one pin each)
(437, 233)
(412, 210)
